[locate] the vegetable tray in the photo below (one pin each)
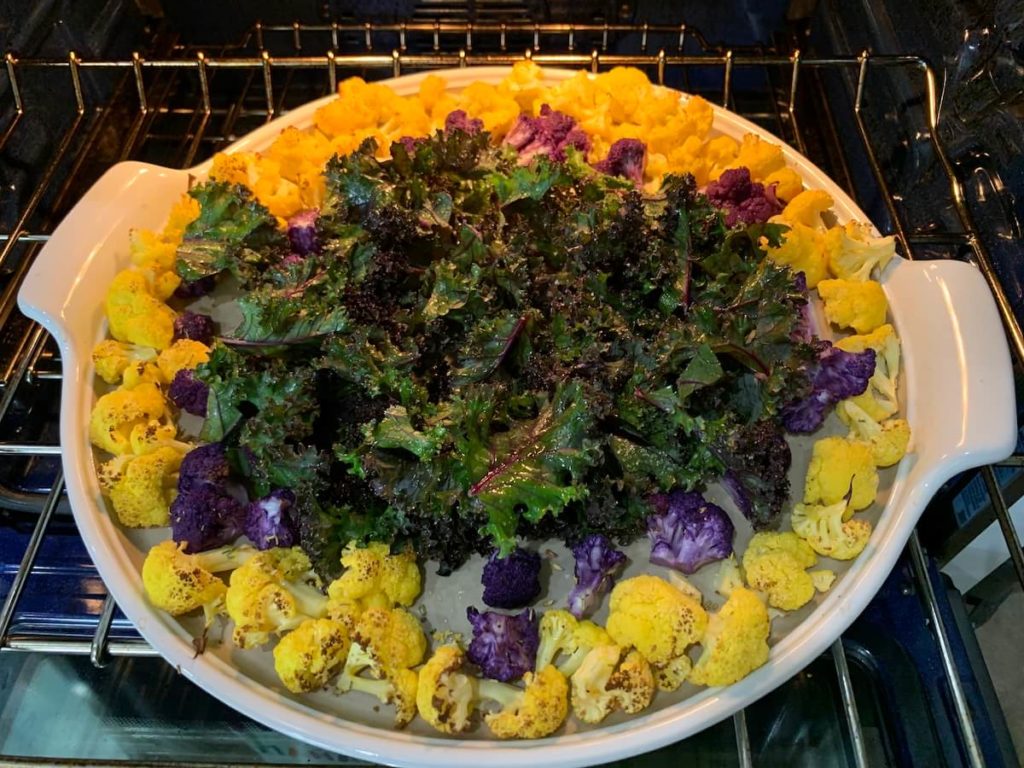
(957, 394)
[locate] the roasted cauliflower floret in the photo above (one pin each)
(840, 467)
(853, 253)
(136, 314)
(736, 642)
(609, 679)
(375, 578)
(306, 658)
(776, 563)
(660, 621)
(117, 413)
(111, 358)
(141, 488)
(807, 209)
(178, 583)
(271, 593)
(445, 695)
(803, 250)
(861, 306)
(880, 400)
(563, 634)
(828, 530)
(889, 439)
(397, 686)
(181, 355)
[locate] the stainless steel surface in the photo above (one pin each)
(553, 44)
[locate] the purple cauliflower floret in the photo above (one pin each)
(410, 143)
(757, 460)
(503, 646)
(458, 120)
(268, 522)
(196, 288)
(302, 233)
(206, 517)
(743, 201)
(513, 581)
(189, 393)
(548, 135)
(597, 564)
(202, 466)
(836, 376)
(194, 326)
(687, 531)
(626, 158)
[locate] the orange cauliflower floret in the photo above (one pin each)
(828, 532)
(788, 183)
(111, 358)
(858, 305)
(840, 467)
(182, 354)
(306, 658)
(117, 413)
(660, 621)
(136, 314)
(179, 583)
(802, 250)
(776, 563)
(853, 253)
(736, 641)
(610, 679)
(761, 157)
(375, 578)
(880, 400)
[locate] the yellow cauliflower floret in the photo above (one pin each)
(802, 250)
(148, 484)
(178, 583)
(839, 468)
(660, 621)
(135, 314)
(306, 658)
(858, 305)
(182, 354)
(533, 713)
(183, 213)
(761, 157)
(853, 253)
(432, 89)
(562, 634)
(375, 578)
(269, 593)
(788, 183)
(609, 679)
(445, 695)
(117, 413)
(391, 685)
(775, 564)
(736, 642)
(111, 358)
(889, 439)
(235, 168)
(393, 636)
(149, 250)
(880, 400)
(142, 372)
(828, 532)
(807, 209)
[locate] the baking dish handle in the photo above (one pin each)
(959, 380)
(65, 288)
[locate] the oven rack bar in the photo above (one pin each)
(152, 82)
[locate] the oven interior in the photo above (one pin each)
(914, 108)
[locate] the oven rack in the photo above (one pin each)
(270, 54)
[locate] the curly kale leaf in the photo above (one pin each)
(232, 232)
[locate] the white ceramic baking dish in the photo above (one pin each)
(957, 386)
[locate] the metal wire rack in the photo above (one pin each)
(182, 107)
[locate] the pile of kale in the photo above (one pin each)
(459, 350)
